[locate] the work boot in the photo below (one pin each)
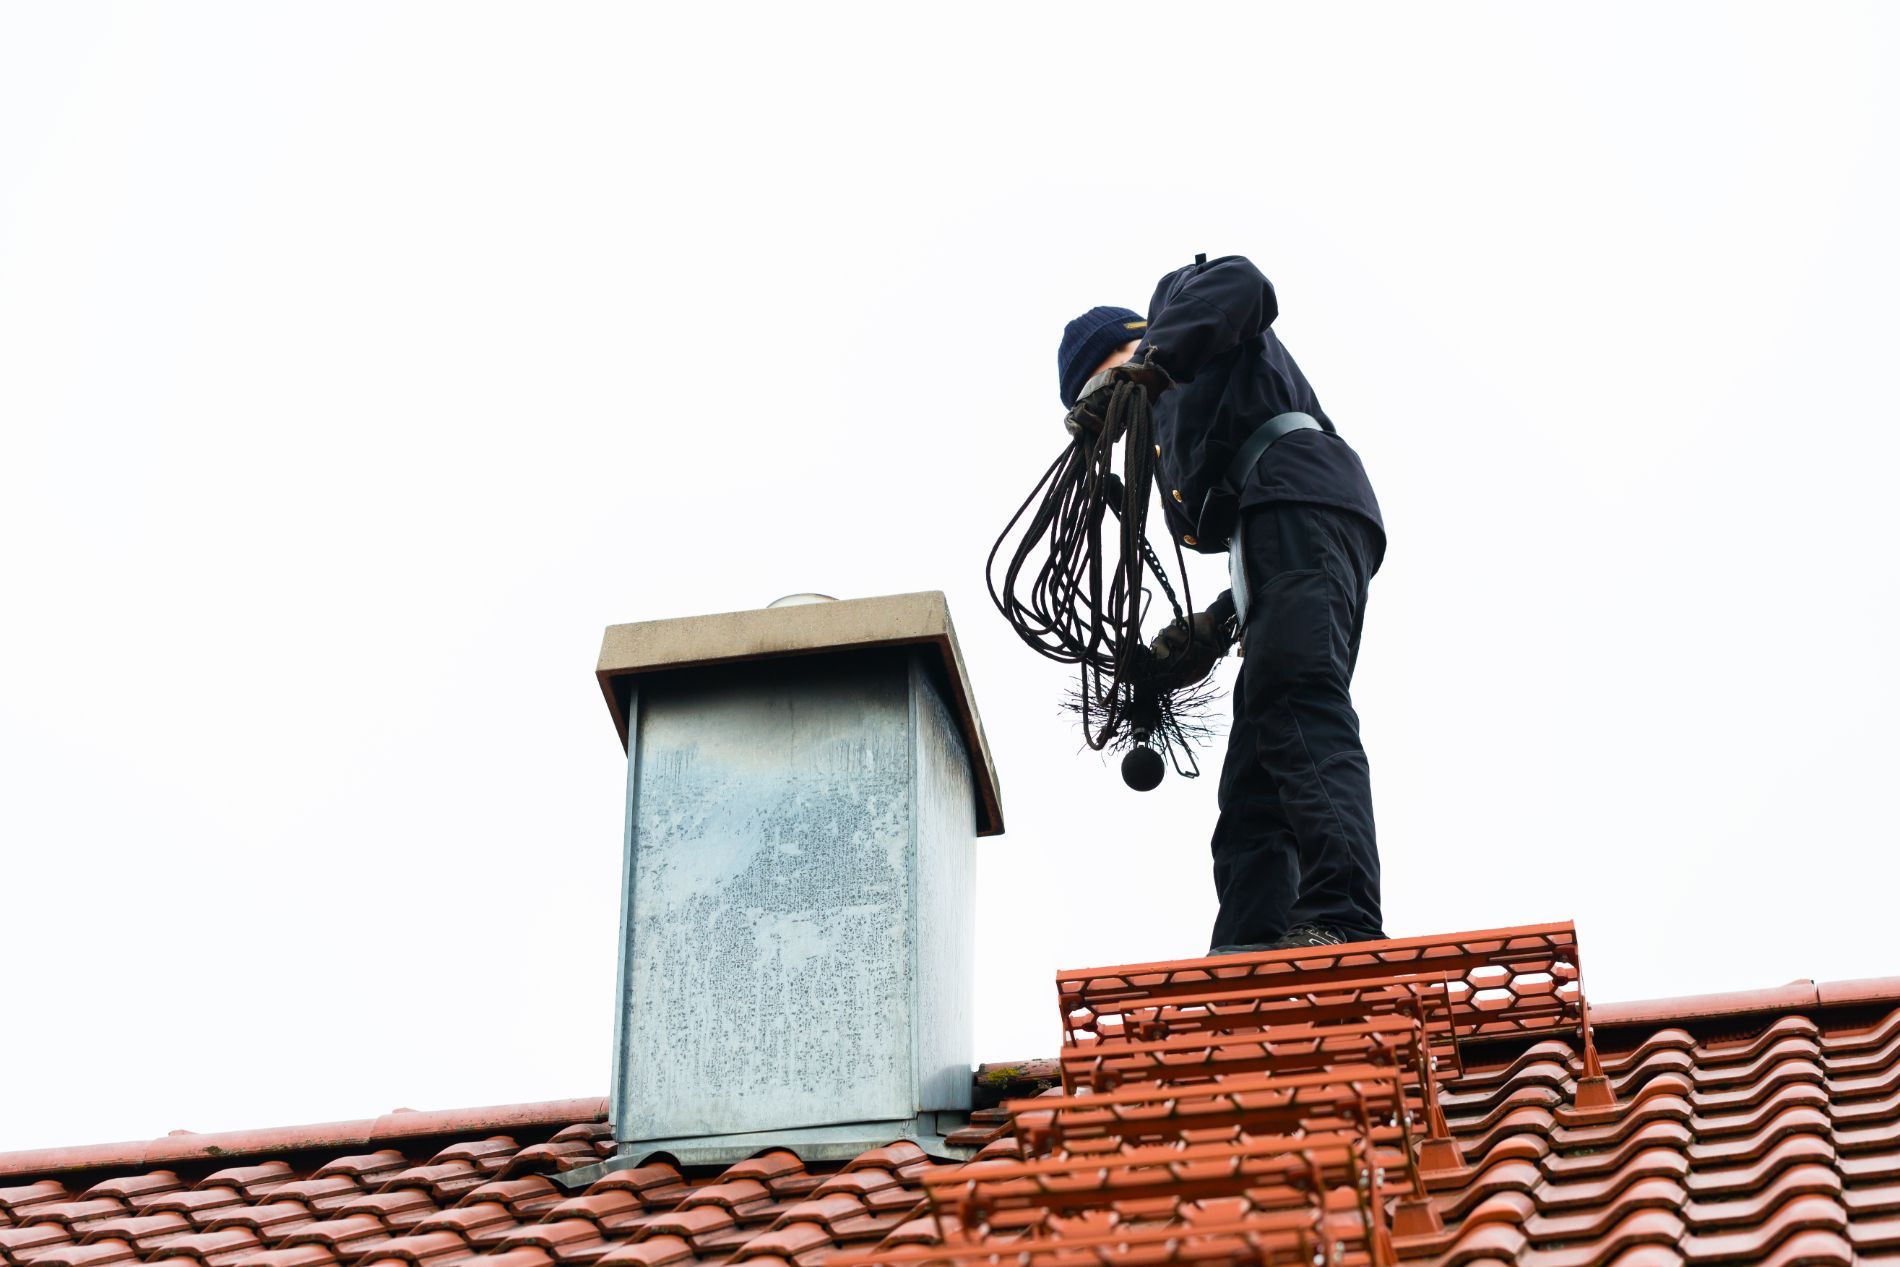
(1299, 937)
(1307, 936)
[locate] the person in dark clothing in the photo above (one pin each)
(1296, 859)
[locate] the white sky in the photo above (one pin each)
(358, 364)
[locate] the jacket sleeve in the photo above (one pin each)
(1203, 310)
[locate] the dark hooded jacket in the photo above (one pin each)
(1210, 327)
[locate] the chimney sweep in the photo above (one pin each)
(1197, 393)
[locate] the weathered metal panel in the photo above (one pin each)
(852, 625)
(946, 900)
(623, 975)
(772, 898)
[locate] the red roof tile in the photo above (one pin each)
(424, 1247)
(1459, 1100)
(299, 1256)
(94, 1255)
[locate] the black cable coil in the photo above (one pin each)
(1085, 607)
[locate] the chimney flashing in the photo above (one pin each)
(812, 1144)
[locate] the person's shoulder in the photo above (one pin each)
(1228, 271)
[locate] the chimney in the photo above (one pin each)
(805, 785)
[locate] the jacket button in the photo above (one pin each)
(1189, 541)
(1157, 450)
(1177, 494)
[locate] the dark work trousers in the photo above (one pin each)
(1295, 843)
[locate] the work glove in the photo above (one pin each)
(1188, 651)
(1091, 406)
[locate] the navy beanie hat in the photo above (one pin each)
(1087, 340)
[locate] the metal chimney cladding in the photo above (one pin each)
(805, 786)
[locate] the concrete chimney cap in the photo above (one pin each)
(811, 628)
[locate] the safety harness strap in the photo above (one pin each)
(1249, 453)
(1254, 446)
(1220, 507)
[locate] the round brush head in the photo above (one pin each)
(1142, 768)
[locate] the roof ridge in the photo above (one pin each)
(398, 1124)
(1798, 995)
